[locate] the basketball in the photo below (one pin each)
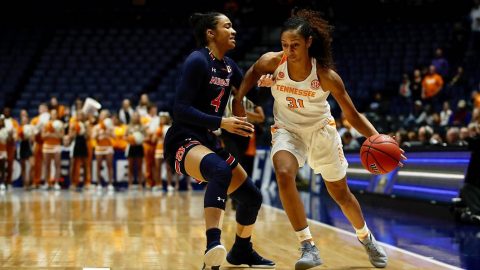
(380, 154)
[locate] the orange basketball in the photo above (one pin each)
(380, 154)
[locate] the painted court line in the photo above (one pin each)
(428, 259)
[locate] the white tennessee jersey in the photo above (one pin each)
(299, 105)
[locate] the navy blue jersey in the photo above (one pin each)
(201, 98)
(204, 89)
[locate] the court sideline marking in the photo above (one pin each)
(431, 260)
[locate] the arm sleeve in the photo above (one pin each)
(194, 72)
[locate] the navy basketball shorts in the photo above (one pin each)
(176, 159)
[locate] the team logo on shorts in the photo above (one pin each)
(281, 75)
(315, 84)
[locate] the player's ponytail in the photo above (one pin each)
(309, 23)
(200, 23)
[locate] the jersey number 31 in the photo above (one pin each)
(294, 103)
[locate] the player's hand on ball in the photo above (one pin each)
(266, 80)
(403, 157)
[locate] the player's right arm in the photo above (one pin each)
(266, 64)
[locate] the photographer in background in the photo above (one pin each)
(467, 208)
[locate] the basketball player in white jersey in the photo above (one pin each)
(301, 78)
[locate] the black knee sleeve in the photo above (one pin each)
(249, 199)
(218, 174)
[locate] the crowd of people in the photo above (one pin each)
(87, 134)
(433, 106)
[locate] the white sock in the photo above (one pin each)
(363, 232)
(304, 235)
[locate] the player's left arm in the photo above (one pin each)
(332, 82)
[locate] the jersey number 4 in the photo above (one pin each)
(218, 100)
(295, 103)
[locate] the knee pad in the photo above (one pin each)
(219, 175)
(249, 199)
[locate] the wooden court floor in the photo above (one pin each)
(145, 230)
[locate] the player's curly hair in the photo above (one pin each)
(200, 23)
(310, 23)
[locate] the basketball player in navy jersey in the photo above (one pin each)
(192, 149)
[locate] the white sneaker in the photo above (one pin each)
(110, 188)
(2, 187)
(170, 189)
(99, 187)
(57, 186)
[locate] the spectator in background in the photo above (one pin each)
(412, 136)
(346, 126)
(475, 25)
(445, 114)
(425, 134)
(464, 134)
(431, 84)
(12, 126)
(25, 135)
(476, 99)
(473, 130)
(401, 136)
(453, 137)
(80, 133)
(436, 139)
(418, 116)
(102, 132)
(126, 112)
(349, 143)
(436, 121)
(54, 105)
(457, 85)
(77, 106)
(134, 153)
(52, 135)
(142, 107)
(66, 120)
(476, 116)
(416, 85)
(150, 122)
(405, 94)
(4, 134)
(440, 63)
(119, 134)
(38, 123)
(461, 117)
(470, 191)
